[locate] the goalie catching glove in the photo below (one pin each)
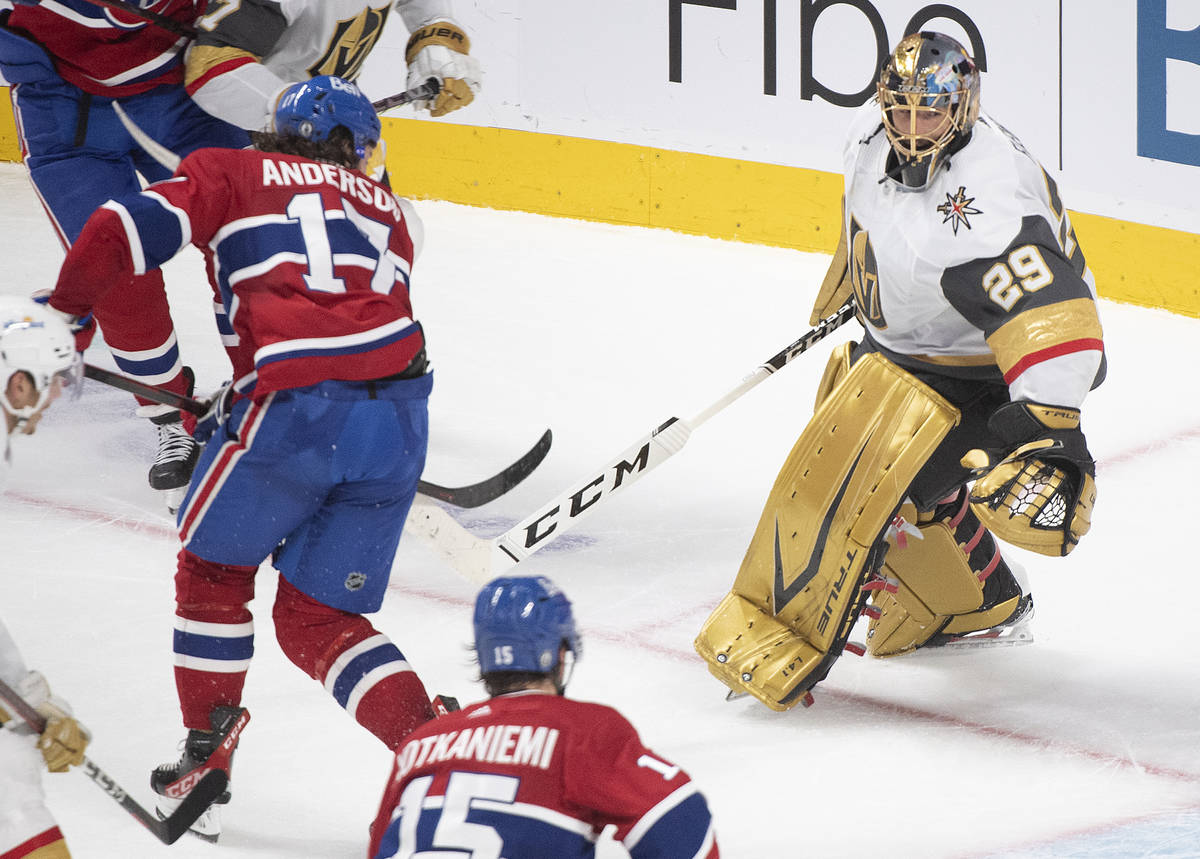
(1039, 493)
(441, 51)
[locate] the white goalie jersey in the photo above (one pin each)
(248, 51)
(978, 275)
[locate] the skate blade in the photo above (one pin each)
(970, 643)
(174, 498)
(206, 827)
(1009, 638)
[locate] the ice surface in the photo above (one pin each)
(1085, 743)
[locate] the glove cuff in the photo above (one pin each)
(439, 33)
(1023, 421)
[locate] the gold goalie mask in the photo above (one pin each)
(928, 93)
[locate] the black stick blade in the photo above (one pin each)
(478, 494)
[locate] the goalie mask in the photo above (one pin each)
(37, 357)
(929, 95)
(523, 623)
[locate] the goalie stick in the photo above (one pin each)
(168, 830)
(478, 560)
(472, 495)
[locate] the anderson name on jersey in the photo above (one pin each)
(274, 221)
(538, 776)
(978, 275)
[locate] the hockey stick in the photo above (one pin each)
(426, 90)
(169, 830)
(478, 559)
(146, 392)
(472, 495)
(170, 160)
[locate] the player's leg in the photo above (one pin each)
(954, 587)
(336, 567)
(214, 636)
(950, 586)
(213, 644)
(818, 542)
(78, 157)
(27, 829)
(255, 484)
(245, 498)
(359, 666)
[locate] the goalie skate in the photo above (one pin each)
(1018, 629)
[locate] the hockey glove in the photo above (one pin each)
(83, 327)
(63, 741)
(1039, 493)
(441, 51)
(218, 411)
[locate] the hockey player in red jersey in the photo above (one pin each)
(248, 52)
(318, 443)
(955, 421)
(67, 61)
(530, 772)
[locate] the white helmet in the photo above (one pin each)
(36, 341)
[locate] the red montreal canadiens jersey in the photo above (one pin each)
(312, 262)
(108, 52)
(537, 776)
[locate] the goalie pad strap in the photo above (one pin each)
(799, 588)
(935, 581)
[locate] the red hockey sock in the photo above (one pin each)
(363, 670)
(214, 636)
(137, 326)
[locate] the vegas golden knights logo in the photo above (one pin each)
(864, 275)
(352, 40)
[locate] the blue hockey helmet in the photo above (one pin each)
(312, 109)
(521, 624)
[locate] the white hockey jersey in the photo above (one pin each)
(247, 52)
(978, 275)
(25, 822)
